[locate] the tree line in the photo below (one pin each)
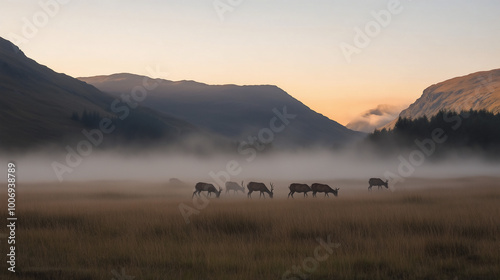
(465, 133)
(138, 125)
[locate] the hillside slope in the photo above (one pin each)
(234, 111)
(37, 105)
(477, 91)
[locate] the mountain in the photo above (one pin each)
(477, 91)
(39, 106)
(236, 112)
(36, 103)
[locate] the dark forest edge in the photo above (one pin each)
(459, 134)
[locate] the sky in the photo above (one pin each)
(340, 58)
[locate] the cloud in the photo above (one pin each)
(375, 118)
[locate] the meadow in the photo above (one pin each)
(448, 229)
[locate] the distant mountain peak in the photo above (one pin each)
(476, 91)
(374, 118)
(234, 111)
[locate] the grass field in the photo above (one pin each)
(99, 230)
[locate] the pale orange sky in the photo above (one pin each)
(292, 44)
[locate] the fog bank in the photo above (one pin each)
(305, 166)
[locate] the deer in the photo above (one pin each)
(299, 188)
(377, 182)
(234, 187)
(260, 187)
(322, 188)
(204, 187)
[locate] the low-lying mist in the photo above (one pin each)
(307, 166)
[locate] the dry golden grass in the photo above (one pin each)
(70, 233)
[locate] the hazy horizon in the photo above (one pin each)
(307, 165)
(293, 45)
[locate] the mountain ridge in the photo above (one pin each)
(475, 91)
(232, 110)
(40, 107)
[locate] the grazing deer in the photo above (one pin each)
(260, 187)
(204, 187)
(377, 182)
(316, 188)
(300, 188)
(234, 187)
